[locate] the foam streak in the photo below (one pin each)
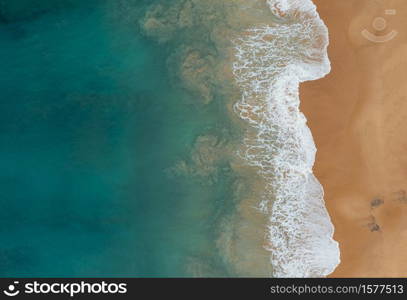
(271, 62)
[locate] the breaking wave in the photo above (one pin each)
(271, 62)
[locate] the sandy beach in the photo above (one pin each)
(357, 116)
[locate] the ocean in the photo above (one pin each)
(90, 127)
(160, 138)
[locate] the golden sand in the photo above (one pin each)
(358, 116)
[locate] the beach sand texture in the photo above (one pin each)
(357, 115)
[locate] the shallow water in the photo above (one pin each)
(271, 62)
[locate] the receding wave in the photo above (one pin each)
(271, 62)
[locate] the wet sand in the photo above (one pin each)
(358, 116)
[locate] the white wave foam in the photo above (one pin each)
(271, 62)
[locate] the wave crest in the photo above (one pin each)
(271, 62)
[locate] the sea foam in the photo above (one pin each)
(271, 62)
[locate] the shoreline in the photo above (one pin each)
(279, 144)
(356, 116)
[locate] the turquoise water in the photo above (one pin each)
(89, 127)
